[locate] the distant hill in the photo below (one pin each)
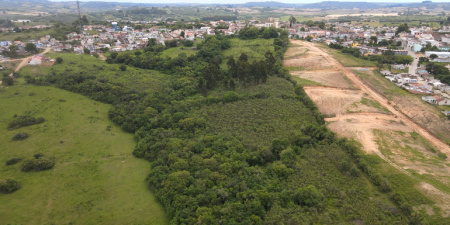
(272, 4)
(344, 5)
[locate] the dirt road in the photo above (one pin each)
(442, 146)
(101, 56)
(25, 62)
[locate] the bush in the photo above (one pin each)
(230, 96)
(442, 155)
(123, 67)
(188, 43)
(59, 60)
(23, 121)
(9, 186)
(8, 80)
(38, 164)
(20, 136)
(38, 155)
(13, 161)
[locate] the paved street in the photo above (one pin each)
(413, 66)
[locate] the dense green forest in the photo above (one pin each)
(234, 140)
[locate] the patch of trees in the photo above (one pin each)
(217, 18)
(253, 32)
(153, 10)
(24, 121)
(11, 52)
(387, 57)
(60, 30)
(428, 47)
(439, 71)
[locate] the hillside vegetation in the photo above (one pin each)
(234, 140)
(94, 179)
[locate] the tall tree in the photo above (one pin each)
(292, 20)
(30, 47)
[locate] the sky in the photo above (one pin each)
(244, 1)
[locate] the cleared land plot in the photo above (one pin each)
(419, 111)
(310, 60)
(95, 180)
(335, 101)
(326, 77)
(408, 160)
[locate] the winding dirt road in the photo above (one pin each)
(442, 146)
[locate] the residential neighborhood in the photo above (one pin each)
(118, 37)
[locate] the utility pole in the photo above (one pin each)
(79, 15)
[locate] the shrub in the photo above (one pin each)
(188, 43)
(13, 161)
(59, 60)
(38, 164)
(23, 121)
(8, 80)
(308, 196)
(442, 155)
(230, 96)
(9, 186)
(38, 155)
(123, 67)
(20, 136)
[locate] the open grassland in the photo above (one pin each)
(346, 59)
(254, 49)
(24, 35)
(174, 52)
(134, 78)
(95, 180)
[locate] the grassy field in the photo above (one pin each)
(254, 49)
(23, 36)
(135, 78)
(95, 180)
(412, 151)
(346, 59)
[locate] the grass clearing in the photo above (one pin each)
(135, 78)
(254, 49)
(375, 104)
(417, 154)
(306, 82)
(346, 59)
(95, 180)
(24, 36)
(174, 52)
